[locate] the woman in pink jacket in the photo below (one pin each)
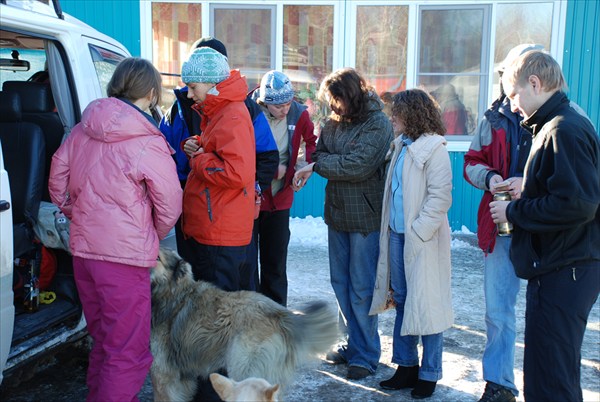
(114, 178)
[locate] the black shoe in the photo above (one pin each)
(336, 356)
(357, 373)
(404, 377)
(497, 393)
(423, 389)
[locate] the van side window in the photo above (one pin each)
(105, 63)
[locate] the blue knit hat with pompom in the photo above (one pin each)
(275, 89)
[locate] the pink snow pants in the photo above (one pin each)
(116, 305)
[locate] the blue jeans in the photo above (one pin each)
(405, 351)
(501, 287)
(353, 266)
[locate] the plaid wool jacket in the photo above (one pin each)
(351, 156)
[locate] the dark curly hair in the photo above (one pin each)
(348, 89)
(419, 112)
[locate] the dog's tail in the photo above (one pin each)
(315, 328)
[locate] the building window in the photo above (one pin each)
(175, 27)
(308, 53)
(451, 63)
(518, 23)
(248, 32)
(381, 46)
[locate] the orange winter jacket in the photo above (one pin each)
(218, 200)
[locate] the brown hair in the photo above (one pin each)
(419, 112)
(540, 64)
(133, 79)
(347, 88)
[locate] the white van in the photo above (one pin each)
(51, 67)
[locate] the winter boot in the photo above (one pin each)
(497, 393)
(404, 377)
(423, 389)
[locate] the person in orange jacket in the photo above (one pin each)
(218, 200)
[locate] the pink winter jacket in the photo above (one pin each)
(115, 179)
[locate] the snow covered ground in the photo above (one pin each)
(308, 274)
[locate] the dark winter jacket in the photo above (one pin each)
(181, 122)
(351, 157)
(557, 219)
(491, 152)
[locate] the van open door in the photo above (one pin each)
(7, 310)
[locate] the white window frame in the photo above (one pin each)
(344, 34)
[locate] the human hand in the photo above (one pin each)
(515, 187)
(190, 146)
(511, 185)
(496, 183)
(498, 211)
(301, 176)
(281, 172)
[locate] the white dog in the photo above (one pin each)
(249, 390)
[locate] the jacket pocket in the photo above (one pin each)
(525, 259)
(374, 202)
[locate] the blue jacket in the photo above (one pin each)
(181, 122)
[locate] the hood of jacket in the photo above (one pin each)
(421, 149)
(111, 120)
(233, 89)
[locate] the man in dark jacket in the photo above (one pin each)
(556, 222)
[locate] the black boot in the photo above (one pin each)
(404, 377)
(423, 389)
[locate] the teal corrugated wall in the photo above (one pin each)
(465, 198)
(581, 58)
(119, 19)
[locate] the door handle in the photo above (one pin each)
(4, 205)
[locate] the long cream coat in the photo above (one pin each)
(426, 187)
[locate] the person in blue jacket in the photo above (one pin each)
(181, 122)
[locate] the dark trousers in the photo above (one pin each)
(271, 236)
(183, 248)
(249, 271)
(558, 306)
(219, 265)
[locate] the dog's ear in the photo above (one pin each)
(181, 270)
(222, 385)
(272, 393)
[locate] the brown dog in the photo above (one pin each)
(198, 329)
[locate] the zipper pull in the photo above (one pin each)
(574, 278)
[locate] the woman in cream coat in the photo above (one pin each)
(414, 258)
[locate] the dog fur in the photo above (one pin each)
(198, 329)
(251, 389)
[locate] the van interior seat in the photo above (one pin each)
(37, 106)
(24, 150)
